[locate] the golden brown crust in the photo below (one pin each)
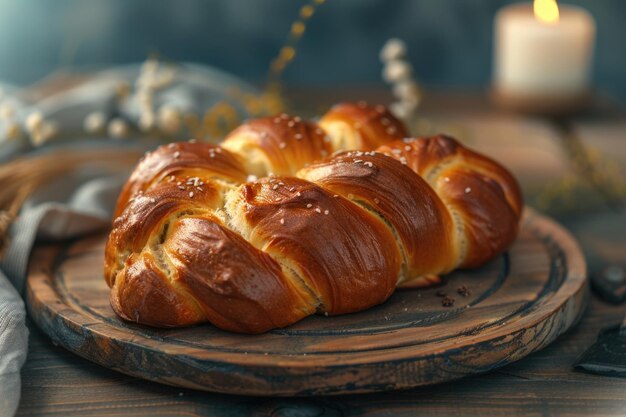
(194, 242)
(280, 144)
(483, 197)
(145, 295)
(239, 287)
(346, 257)
(359, 126)
(181, 159)
(399, 197)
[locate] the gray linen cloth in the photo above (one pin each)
(82, 202)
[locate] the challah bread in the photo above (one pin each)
(199, 240)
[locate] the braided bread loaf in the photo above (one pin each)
(198, 238)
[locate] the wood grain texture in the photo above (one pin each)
(520, 303)
(57, 382)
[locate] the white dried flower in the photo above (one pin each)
(34, 121)
(118, 128)
(7, 111)
(395, 71)
(13, 131)
(393, 49)
(43, 132)
(169, 119)
(95, 122)
(406, 89)
(150, 66)
(400, 110)
(146, 120)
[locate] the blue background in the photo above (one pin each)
(450, 41)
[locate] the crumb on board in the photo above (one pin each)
(447, 301)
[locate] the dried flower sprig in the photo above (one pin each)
(7, 115)
(398, 72)
(288, 52)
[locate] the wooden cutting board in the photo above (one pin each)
(519, 303)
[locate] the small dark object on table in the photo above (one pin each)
(464, 291)
(607, 356)
(610, 283)
(447, 301)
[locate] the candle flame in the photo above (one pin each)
(546, 11)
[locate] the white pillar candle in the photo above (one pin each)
(544, 55)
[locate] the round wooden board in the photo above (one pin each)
(519, 303)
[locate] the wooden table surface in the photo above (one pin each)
(56, 382)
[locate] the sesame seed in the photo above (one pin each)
(407, 148)
(357, 161)
(284, 116)
(297, 119)
(282, 221)
(391, 130)
(275, 186)
(277, 120)
(180, 187)
(277, 199)
(176, 154)
(309, 205)
(192, 141)
(179, 183)
(298, 193)
(447, 179)
(190, 194)
(171, 145)
(376, 200)
(218, 150)
(468, 190)
(282, 145)
(251, 178)
(336, 195)
(318, 210)
(369, 164)
(298, 136)
(326, 212)
(291, 123)
(385, 121)
(272, 180)
(199, 188)
(396, 151)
